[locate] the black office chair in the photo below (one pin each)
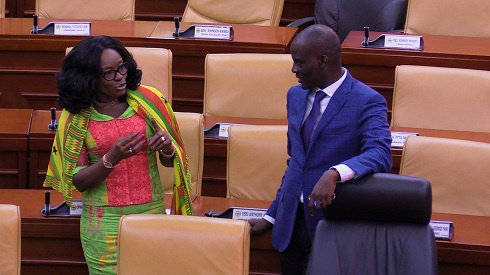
(344, 16)
(377, 226)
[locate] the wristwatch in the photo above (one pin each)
(106, 163)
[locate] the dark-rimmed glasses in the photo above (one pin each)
(110, 75)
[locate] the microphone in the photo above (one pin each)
(35, 29)
(47, 203)
(176, 21)
(53, 125)
(365, 43)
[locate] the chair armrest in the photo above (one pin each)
(303, 22)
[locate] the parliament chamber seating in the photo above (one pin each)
(256, 161)
(457, 169)
(86, 9)
(192, 131)
(344, 16)
(378, 225)
(441, 98)
(9, 239)
(156, 64)
(264, 12)
(247, 85)
(172, 244)
(448, 17)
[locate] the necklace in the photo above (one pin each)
(100, 104)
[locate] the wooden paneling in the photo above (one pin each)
(14, 128)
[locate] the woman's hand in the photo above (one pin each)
(161, 141)
(126, 147)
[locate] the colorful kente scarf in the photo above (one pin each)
(147, 102)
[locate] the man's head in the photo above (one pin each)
(316, 56)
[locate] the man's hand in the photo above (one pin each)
(259, 226)
(322, 193)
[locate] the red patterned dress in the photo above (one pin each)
(132, 187)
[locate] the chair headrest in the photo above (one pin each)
(383, 197)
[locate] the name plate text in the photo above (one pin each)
(72, 28)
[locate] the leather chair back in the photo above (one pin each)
(191, 126)
(449, 17)
(378, 225)
(247, 85)
(344, 16)
(172, 244)
(86, 9)
(264, 12)
(156, 64)
(441, 98)
(256, 161)
(2, 8)
(457, 169)
(9, 239)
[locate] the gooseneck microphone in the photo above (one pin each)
(47, 203)
(53, 125)
(365, 43)
(35, 29)
(176, 21)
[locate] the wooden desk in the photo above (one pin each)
(376, 67)
(14, 126)
(28, 63)
(52, 245)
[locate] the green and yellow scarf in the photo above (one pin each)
(148, 103)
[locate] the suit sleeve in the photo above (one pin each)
(375, 138)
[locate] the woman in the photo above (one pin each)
(109, 133)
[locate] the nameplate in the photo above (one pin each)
(398, 138)
(72, 28)
(443, 230)
(409, 42)
(77, 209)
(212, 32)
(248, 213)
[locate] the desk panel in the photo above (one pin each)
(14, 127)
(52, 245)
(28, 63)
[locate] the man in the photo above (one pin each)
(336, 135)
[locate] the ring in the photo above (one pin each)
(163, 138)
(130, 151)
(333, 196)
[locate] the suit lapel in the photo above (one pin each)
(301, 96)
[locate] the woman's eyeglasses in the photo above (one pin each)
(111, 74)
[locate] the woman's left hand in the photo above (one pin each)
(161, 140)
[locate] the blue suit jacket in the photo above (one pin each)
(353, 130)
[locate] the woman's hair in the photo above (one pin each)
(80, 74)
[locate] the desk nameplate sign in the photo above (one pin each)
(238, 213)
(443, 230)
(212, 32)
(398, 138)
(219, 130)
(63, 210)
(407, 42)
(65, 28)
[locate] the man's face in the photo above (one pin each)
(307, 66)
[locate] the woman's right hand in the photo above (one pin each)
(126, 147)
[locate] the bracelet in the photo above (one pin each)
(169, 155)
